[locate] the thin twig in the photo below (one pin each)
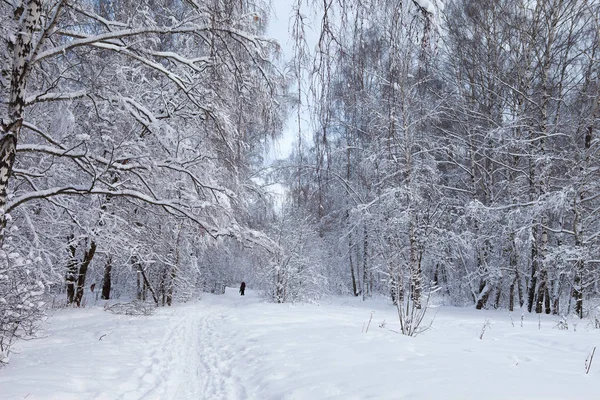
(369, 322)
(588, 364)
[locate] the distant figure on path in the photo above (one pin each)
(242, 288)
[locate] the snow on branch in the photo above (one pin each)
(197, 64)
(38, 98)
(173, 205)
(60, 152)
(179, 81)
(92, 15)
(108, 38)
(86, 40)
(425, 6)
(121, 165)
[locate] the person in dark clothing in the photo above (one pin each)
(242, 288)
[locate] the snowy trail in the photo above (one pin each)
(195, 359)
(214, 359)
(241, 348)
(170, 363)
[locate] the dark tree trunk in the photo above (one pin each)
(556, 306)
(106, 284)
(543, 294)
(578, 294)
(520, 290)
(162, 292)
(531, 290)
(513, 266)
(533, 282)
(547, 309)
(539, 298)
(484, 294)
(87, 259)
(352, 274)
(511, 296)
(139, 280)
(498, 295)
(148, 286)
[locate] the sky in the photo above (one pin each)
(279, 29)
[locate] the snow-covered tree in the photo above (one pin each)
(128, 133)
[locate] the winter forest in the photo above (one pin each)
(441, 150)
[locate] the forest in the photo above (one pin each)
(449, 151)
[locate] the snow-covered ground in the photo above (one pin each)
(232, 347)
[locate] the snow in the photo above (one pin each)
(426, 5)
(233, 347)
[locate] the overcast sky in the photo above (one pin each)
(279, 29)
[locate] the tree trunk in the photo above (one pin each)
(71, 274)
(511, 296)
(11, 127)
(171, 285)
(138, 294)
(87, 259)
(578, 292)
(144, 294)
(534, 272)
(148, 286)
(279, 287)
(579, 265)
(540, 293)
(8, 145)
(547, 309)
(415, 268)
(394, 288)
(162, 286)
(498, 295)
(107, 280)
(520, 289)
(543, 298)
(352, 274)
(484, 293)
(555, 288)
(139, 279)
(514, 267)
